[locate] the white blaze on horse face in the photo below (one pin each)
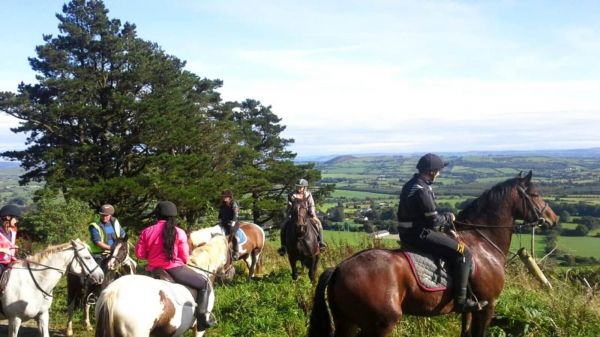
(84, 264)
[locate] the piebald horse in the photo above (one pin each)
(371, 290)
(28, 293)
(84, 293)
(138, 305)
(250, 251)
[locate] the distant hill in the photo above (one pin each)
(9, 164)
(340, 159)
(569, 153)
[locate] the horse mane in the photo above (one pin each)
(209, 255)
(492, 196)
(41, 256)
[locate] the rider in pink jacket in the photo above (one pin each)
(165, 246)
(10, 215)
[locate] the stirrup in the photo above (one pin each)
(469, 305)
(205, 323)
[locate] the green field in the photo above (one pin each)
(580, 246)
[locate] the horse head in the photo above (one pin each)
(532, 208)
(84, 264)
(299, 216)
(118, 254)
(213, 258)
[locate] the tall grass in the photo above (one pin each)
(275, 305)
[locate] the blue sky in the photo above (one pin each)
(371, 76)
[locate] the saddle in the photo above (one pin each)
(4, 276)
(431, 272)
(161, 274)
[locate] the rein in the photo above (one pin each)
(61, 271)
(527, 203)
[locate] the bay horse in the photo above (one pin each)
(82, 292)
(139, 305)
(301, 240)
(28, 293)
(250, 250)
(371, 290)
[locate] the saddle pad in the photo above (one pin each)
(241, 237)
(428, 274)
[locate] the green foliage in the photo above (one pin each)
(56, 220)
(115, 119)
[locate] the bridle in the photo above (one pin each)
(76, 257)
(528, 205)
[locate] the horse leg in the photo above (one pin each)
(344, 329)
(313, 268)
(43, 320)
(465, 329)
(86, 310)
(293, 265)
(14, 324)
(253, 265)
(481, 320)
(70, 309)
(377, 331)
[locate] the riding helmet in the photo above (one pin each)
(10, 210)
(302, 183)
(165, 209)
(107, 209)
(430, 162)
(227, 193)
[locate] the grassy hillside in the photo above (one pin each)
(276, 306)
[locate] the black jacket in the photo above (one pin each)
(417, 209)
(228, 214)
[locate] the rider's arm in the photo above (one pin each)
(433, 219)
(141, 250)
(183, 248)
(236, 210)
(311, 205)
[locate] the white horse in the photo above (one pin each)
(250, 251)
(28, 293)
(141, 306)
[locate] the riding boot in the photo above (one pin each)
(281, 251)
(235, 251)
(204, 319)
(461, 280)
(322, 244)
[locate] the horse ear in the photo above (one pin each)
(520, 175)
(527, 178)
(126, 237)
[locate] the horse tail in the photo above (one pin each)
(104, 317)
(260, 249)
(320, 322)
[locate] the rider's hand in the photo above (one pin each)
(453, 233)
(452, 217)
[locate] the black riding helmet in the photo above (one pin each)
(10, 210)
(430, 162)
(165, 209)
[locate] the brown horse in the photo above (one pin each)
(83, 292)
(301, 240)
(371, 290)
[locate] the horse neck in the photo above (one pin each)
(499, 220)
(47, 278)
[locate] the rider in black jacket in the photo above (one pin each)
(422, 226)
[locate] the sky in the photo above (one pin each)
(378, 76)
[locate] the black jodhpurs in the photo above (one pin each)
(439, 244)
(186, 276)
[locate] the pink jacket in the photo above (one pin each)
(8, 246)
(150, 247)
